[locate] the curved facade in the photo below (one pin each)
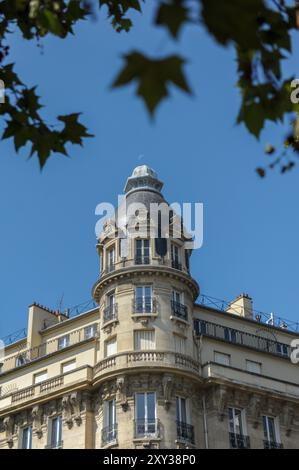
(146, 366)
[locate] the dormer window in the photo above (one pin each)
(142, 251)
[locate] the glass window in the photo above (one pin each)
(110, 258)
(56, 432)
(235, 421)
(144, 299)
(222, 358)
(90, 331)
(180, 344)
(111, 347)
(144, 340)
(27, 438)
(40, 377)
(142, 248)
(177, 297)
(68, 366)
(175, 253)
(181, 409)
(269, 429)
(255, 367)
(63, 342)
(21, 359)
(230, 335)
(145, 413)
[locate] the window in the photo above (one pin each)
(271, 434)
(26, 441)
(185, 431)
(110, 311)
(110, 259)
(222, 358)
(179, 344)
(177, 297)
(40, 377)
(21, 360)
(90, 331)
(144, 340)
(55, 436)
(68, 366)
(111, 347)
(142, 252)
(175, 256)
(177, 305)
(145, 409)
(235, 418)
(181, 409)
(109, 432)
(230, 335)
(144, 299)
(282, 349)
(255, 367)
(63, 342)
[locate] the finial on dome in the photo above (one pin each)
(143, 177)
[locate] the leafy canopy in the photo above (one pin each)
(259, 30)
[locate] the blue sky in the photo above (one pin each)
(47, 223)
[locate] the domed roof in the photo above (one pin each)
(143, 178)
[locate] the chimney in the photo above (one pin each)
(241, 306)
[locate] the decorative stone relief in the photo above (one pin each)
(121, 386)
(37, 416)
(8, 426)
(167, 384)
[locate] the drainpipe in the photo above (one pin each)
(205, 426)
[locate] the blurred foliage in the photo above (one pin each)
(260, 31)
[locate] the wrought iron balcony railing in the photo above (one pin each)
(55, 445)
(146, 428)
(109, 434)
(185, 432)
(144, 305)
(176, 264)
(142, 260)
(230, 335)
(272, 445)
(179, 310)
(111, 313)
(239, 441)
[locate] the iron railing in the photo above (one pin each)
(239, 441)
(272, 445)
(144, 305)
(179, 310)
(230, 335)
(176, 264)
(185, 432)
(55, 445)
(110, 313)
(142, 260)
(109, 434)
(146, 428)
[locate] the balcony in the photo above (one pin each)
(272, 445)
(55, 445)
(146, 428)
(109, 435)
(175, 264)
(240, 338)
(239, 441)
(144, 305)
(185, 432)
(110, 313)
(142, 260)
(179, 310)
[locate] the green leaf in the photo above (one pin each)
(173, 15)
(153, 77)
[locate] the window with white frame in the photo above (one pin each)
(63, 341)
(55, 434)
(236, 419)
(26, 438)
(90, 331)
(180, 344)
(145, 414)
(177, 297)
(271, 431)
(110, 428)
(110, 258)
(68, 366)
(143, 299)
(111, 347)
(222, 358)
(181, 410)
(175, 256)
(253, 366)
(40, 377)
(142, 251)
(144, 340)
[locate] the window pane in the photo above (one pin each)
(151, 406)
(140, 406)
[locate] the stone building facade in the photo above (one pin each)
(151, 364)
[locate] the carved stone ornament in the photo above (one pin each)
(167, 384)
(75, 401)
(121, 386)
(8, 426)
(37, 414)
(254, 409)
